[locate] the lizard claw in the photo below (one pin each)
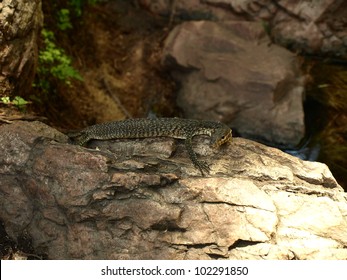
(203, 167)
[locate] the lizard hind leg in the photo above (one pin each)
(79, 138)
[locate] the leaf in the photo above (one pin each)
(6, 100)
(19, 101)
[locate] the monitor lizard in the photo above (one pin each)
(161, 127)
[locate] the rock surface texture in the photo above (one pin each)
(309, 26)
(142, 199)
(232, 73)
(20, 22)
(312, 26)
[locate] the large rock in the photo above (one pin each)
(135, 199)
(231, 72)
(20, 23)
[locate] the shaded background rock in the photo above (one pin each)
(257, 203)
(20, 23)
(186, 10)
(314, 27)
(308, 26)
(231, 72)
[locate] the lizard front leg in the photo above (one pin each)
(201, 165)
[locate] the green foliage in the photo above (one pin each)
(5, 100)
(74, 8)
(78, 5)
(54, 64)
(64, 21)
(17, 101)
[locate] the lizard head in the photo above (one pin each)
(220, 136)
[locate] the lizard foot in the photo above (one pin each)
(203, 167)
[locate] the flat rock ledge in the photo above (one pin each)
(143, 199)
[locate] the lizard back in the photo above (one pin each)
(161, 127)
(143, 128)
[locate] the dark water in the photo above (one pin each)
(326, 118)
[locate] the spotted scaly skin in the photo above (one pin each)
(161, 127)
